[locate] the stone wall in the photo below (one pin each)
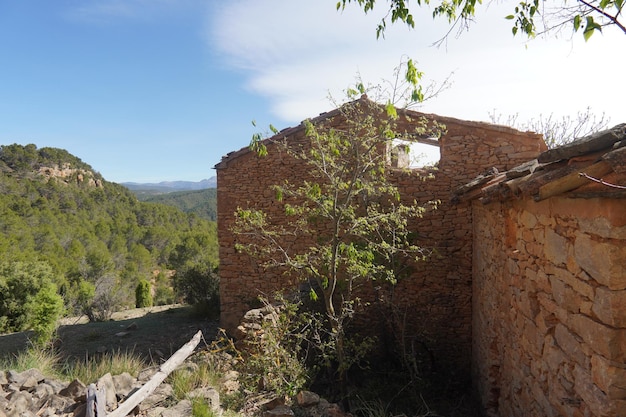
(549, 307)
(434, 302)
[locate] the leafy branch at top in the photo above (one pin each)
(529, 17)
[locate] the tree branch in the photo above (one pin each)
(601, 181)
(600, 11)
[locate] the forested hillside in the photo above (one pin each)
(65, 228)
(202, 203)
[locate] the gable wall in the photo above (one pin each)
(549, 309)
(434, 303)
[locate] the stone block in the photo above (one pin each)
(556, 248)
(603, 261)
(580, 286)
(610, 306)
(601, 226)
(570, 345)
(594, 398)
(527, 219)
(609, 376)
(553, 357)
(604, 340)
(618, 408)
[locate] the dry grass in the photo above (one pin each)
(91, 369)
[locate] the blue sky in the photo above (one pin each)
(157, 90)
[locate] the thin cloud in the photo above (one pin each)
(295, 52)
(106, 11)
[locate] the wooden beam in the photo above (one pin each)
(588, 144)
(617, 159)
(144, 392)
(572, 181)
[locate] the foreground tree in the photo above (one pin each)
(529, 17)
(29, 298)
(343, 226)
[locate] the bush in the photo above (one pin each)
(199, 285)
(45, 310)
(275, 359)
(108, 298)
(20, 284)
(143, 294)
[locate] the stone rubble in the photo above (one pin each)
(32, 394)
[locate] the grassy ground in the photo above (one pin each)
(154, 334)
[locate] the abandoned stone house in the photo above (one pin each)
(527, 291)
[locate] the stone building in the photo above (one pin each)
(526, 289)
(438, 293)
(549, 279)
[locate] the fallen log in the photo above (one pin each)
(164, 370)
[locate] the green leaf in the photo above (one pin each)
(391, 110)
(590, 28)
(577, 22)
(510, 17)
(413, 76)
(417, 95)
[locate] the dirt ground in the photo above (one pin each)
(154, 333)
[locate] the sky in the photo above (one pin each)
(161, 90)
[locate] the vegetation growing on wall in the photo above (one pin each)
(347, 212)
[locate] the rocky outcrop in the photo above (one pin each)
(65, 174)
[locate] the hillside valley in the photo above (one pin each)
(70, 234)
(202, 203)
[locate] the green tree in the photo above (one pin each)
(196, 279)
(20, 284)
(44, 311)
(348, 212)
(529, 17)
(143, 294)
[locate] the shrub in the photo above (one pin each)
(108, 298)
(199, 285)
(143, 294)
(187, 378)
(201, 408)
(275, 360)
(45, 310)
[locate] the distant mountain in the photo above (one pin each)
(171, 186)
(202, 203)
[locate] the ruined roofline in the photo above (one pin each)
(290, 131)
(564, 169)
